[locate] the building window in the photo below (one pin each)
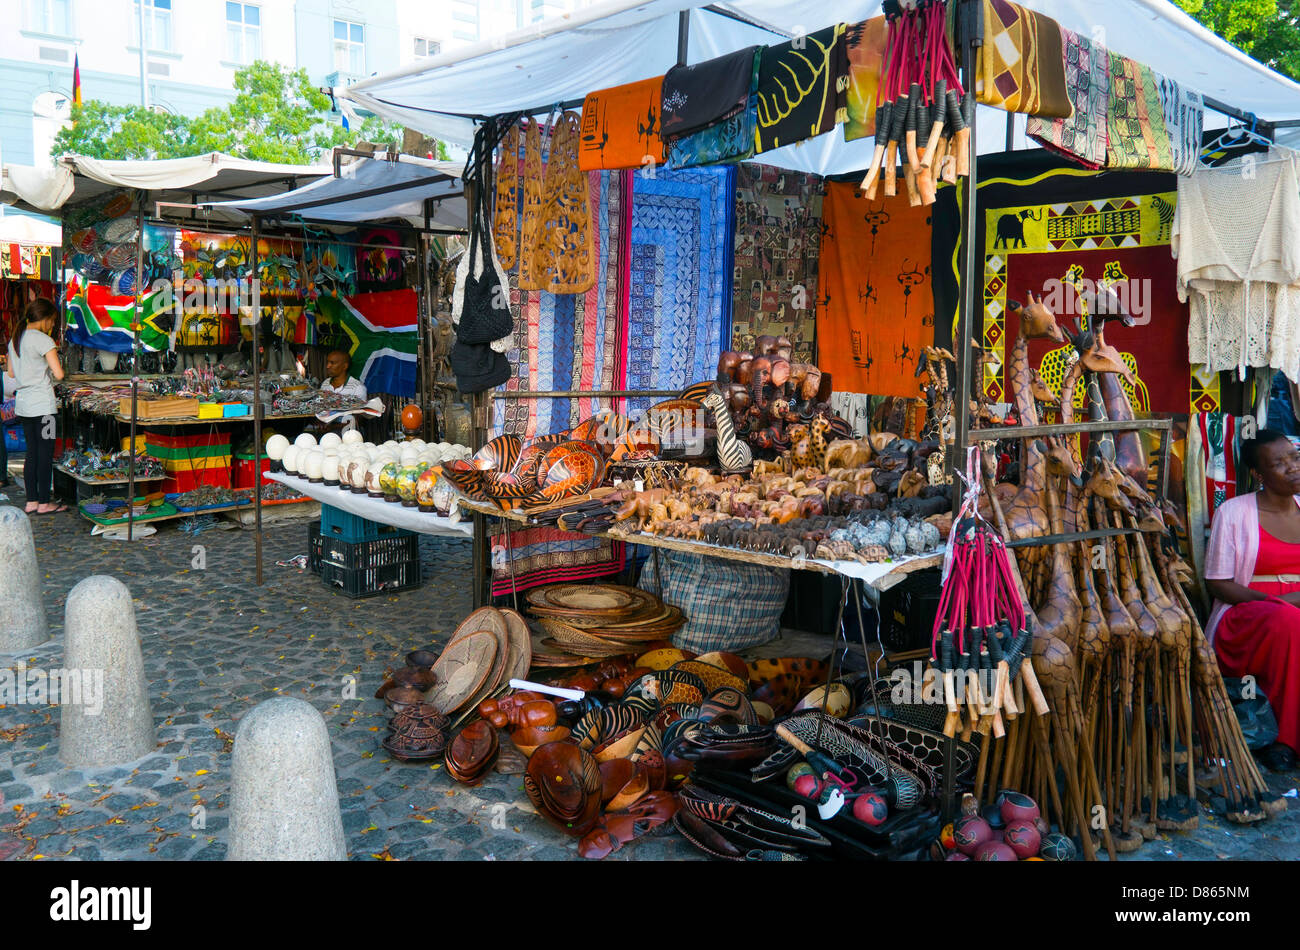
(425, 47)
(349, 47)
(51, 111)
(49, 16)
(243, 32)
(157, 23)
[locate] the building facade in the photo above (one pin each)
(193, 49)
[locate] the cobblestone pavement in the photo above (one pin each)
(215, 645)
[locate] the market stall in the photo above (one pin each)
(851, 399)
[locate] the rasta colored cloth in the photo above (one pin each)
(1184, 112)
(865, 45)
(1083, 136)
(621, 127)
(695, 97)
(1020, 64)
(572, 341)
(728, 142)
(1136, 123)
(875, 303)
(802, 88)
(1054, 229)
(681, 274)
(778, 240)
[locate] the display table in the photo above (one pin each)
(880, 576)
(376, 509)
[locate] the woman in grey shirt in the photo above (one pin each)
(34, 364)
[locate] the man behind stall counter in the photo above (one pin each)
(337, 379)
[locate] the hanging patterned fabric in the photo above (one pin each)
(567, 264)
(865, 51)
(530, 231)
(1136, 119)
(505, 218)
(1083, 136)
(572, 341)
(681, 278)
(1020, 64)
(777, 244)
(875, 311)
(698, 96)
(621, 127)
(802, 88)
(714, 110)
(729, 142)
(1184, 112)
(1219, 444)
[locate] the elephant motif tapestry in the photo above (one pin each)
(1060, 235)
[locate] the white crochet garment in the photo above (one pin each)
(1236, 235)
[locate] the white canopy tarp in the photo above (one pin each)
(621, 41)
(371, 189)
(76, 178)
(24, 229)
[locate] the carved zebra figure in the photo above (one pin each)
(733, 453)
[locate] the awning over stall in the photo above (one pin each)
(75, 178)
(370, 190)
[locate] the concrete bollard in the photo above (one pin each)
(102, 641)
(22, 615)
(284, 800)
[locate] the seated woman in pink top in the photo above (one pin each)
(1252, 568)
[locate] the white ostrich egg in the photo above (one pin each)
(409, 455)
(305, 441)
(275, 447)
(352, 437)
(315, 464)
(290, 458)
(330, 468)
(330, 440)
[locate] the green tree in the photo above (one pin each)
(1268, 30)
(101, 130)
(277, 115)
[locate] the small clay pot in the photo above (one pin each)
(400, 697)
(420, 679)
(421, 659)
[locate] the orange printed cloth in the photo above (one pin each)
(875, 310)
(620, 127)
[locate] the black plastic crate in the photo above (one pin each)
(358, 555)
(908, 609)
(369, 582)
(313, 548)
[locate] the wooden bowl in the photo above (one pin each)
(413, 678)
(421, 659)
(400, 697)
(528, 738)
